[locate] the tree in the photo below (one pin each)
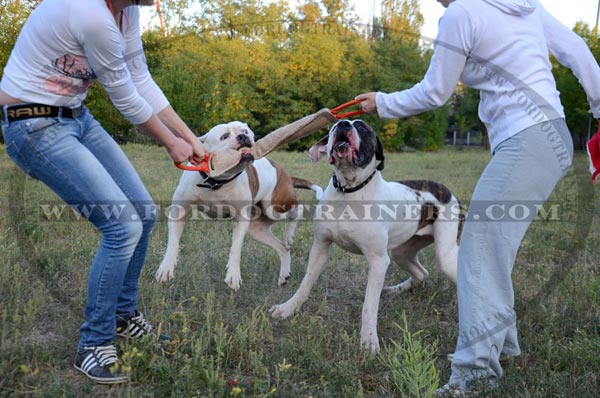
(12, 17)
(572, 95)
(464, 112)
(402, 21)
(178, 15)
(401, 62)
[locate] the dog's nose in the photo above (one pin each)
(344, 125)
(244, 140)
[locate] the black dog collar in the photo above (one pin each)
(214, 183)
(336, 184)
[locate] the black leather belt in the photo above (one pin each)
(13, 113)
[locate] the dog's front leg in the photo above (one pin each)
(317, 259)
(378, 265)
(176, 223)
(233, 278)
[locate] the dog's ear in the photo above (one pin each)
(318, 150)
(202, 138)
(379, 154)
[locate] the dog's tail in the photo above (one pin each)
(301, 183)
(461, 221)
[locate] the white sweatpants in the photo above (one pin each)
(520, 177)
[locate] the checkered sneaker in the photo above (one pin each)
(100, 364)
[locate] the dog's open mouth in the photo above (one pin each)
(344, 147)
(247, 155)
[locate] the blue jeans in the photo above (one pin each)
(85, 167)
(522, 174)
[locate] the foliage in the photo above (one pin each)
(412, 363)
(268, 64)
(572, 95)
(12, 17)
(463, 113)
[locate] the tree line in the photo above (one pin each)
(268, 64)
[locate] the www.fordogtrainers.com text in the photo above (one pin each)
(355, 211)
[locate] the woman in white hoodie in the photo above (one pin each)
(501, 48)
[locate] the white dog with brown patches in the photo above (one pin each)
(357, 204)
(255, 194)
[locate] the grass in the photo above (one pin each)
(225, 345)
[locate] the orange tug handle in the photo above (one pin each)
(348, 104)
(202, 166)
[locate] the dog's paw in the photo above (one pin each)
(233, 281)
(370, 342)
(285, 270)
(283, 279)
(282, 311)
(164, 275)
(289, 242)
(399, 288)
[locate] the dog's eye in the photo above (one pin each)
(225, 136)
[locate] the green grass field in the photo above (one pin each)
(225, 345)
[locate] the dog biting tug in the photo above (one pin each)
(228, 158)
(254, 193)
(381, 220)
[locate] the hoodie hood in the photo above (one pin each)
(513, 7)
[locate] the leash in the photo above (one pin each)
(204, 165)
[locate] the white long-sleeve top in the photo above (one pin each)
(64, 44)
(500, 47)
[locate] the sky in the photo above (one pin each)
(566, 11)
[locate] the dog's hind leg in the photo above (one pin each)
(175, 224)
(260, 230)
(446, 248)
(406, 256)
(290, 228)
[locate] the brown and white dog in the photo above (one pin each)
(364, 214)
(255, 194)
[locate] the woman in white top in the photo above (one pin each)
(501, 48)
(63, 45)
